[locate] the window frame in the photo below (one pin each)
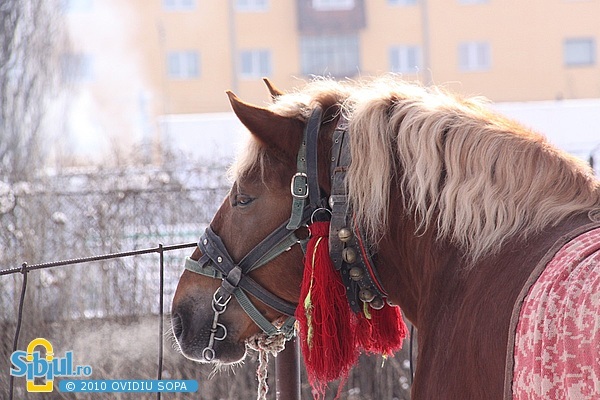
(399, 58)
(327, 54)
(587, 60)
(333, 5)
(402, 3)
(252, 5)
(178, 5)
(474, 56)
(258, 57)
(188, 64)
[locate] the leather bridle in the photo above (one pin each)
(350, 254)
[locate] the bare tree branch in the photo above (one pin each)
(31, 42)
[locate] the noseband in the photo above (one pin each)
(348, 250)
(217, 263)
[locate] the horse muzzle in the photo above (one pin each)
(201, 339)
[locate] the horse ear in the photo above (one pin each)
(272, 129)
(275, 93)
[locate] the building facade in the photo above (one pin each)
(163, 57)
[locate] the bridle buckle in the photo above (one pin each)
(299, 185)
(220, 304)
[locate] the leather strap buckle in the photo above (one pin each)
(299, 185)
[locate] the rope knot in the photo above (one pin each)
(265, 344)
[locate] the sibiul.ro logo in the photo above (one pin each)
(31, 365)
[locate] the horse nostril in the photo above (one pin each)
(177, 324)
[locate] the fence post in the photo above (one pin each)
(161, 305)
(287, 371)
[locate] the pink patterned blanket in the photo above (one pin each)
(557, 344)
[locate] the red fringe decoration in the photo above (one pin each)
(331, 334)
(325, 318)
(384, 333)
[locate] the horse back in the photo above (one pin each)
(557, 336)
(466, 335)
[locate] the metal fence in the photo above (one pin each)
(25, 269)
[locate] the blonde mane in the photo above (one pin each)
(476, 178)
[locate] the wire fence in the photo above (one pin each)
(105, 308)
(25, 269)
(108, 308)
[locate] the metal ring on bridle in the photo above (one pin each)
(219, 306)
(321, 209)
(224, 332)
(208, 354)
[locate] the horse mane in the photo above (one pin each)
(474, 176)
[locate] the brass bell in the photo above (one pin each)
(366, 295)
(356, 273)
(349, 255)
(377, 303)
(345, 234)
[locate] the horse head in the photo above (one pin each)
(249, 229)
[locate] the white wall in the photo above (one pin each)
(573, 125)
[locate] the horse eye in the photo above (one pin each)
(243, 200)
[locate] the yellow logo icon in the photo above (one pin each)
(49, 385)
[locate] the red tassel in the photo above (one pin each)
(387, 331)
(331, 335)
(326, 321)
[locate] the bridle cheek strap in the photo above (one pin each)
(242, 298)
(216, 263)
(349, 251)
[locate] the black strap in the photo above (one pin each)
(249, 262)
(268, 298)
(234, 276)
(338, 201)
(312, 167)
(342, 218)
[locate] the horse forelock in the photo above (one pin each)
(475, 177)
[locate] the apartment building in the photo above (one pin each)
(179, 56)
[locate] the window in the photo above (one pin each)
(474, 56)
(335, 55)
(331, 5)
(183, 64)
(179, 5)
(252, 5)
(255, 63)
(579, 52)
(402, 2)
(405, 59)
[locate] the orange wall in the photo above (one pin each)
(526, 39)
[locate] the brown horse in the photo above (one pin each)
(458, 210)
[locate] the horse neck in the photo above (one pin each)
(424, 274)
(412, 266)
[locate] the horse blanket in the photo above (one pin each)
(556, 351)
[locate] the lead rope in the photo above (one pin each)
(265, 344)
